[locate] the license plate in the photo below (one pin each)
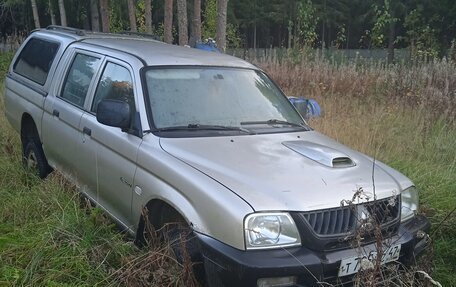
(352, 265)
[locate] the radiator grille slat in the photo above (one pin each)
(333, 221)
(342, 220)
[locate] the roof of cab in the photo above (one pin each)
(152, 52)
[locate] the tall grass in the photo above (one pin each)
(402, 115)
(51, 236)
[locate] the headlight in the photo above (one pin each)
(409, 200)
(270, 230)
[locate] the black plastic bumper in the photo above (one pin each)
(227, 266)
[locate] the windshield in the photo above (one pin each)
(185, 97)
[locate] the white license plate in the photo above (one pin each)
(352, 265)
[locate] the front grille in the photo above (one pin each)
(331, 222)
(347, 219)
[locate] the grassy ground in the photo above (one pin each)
(403, 116)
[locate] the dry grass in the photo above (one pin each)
(403, 115)
(431, 86)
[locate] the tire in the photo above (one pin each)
(183, 243)
(34, 158)
(186, 248)
(175, 230)
(172, 229)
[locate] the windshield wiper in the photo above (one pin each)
(192, 127)
(274, 122)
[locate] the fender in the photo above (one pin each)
(205, 204)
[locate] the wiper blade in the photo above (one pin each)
(191, 127)
(274, 122)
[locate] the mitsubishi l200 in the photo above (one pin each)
(209, 141)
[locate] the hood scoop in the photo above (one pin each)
(322, 154)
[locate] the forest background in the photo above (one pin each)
(426, 28)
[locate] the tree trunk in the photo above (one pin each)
(254, 26)
(51, 12)
(36, 17)
(94, 16)
(221, 24)
(132, 15)
(148, 15)
(254, 35)
(391, 39)
(63, 19)
(290, 36)
(168, 33)
(104, 12)
(348, 37)
(195, 36)
(323, 27)
(182, 21)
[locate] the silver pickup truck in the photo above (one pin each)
(208, 142)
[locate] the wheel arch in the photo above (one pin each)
(207, 206)
(154, 209)
(28, 129)
(29, 133)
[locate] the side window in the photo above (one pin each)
(79, 78)
(116, 84)
(35, 60)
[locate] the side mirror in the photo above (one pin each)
(114, 113)
(308, 108)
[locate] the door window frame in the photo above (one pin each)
(94, 79)
(123, 64)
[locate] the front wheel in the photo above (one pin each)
(166, 226)
(34, 159)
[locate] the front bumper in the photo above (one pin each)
(227, 266)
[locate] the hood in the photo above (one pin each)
(287, 171)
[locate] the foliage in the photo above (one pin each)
(232, 36)
(306, 24)
(140, 16)
(383, 18)
(209, 19)
(118, 19)
(5, 60)
(420, 35)
(426, 27)
(340, 38)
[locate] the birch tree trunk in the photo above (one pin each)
(36, 17)
(104, 12)
(148, 15)
(182, 21)
(94, 16)
(168, 33)
(63, 19)
(195, 36)
(221, 24)
(51, 12)
(132, 15)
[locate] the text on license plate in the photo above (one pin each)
(352, 265)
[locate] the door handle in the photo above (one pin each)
(87, 131)
(55, 113)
